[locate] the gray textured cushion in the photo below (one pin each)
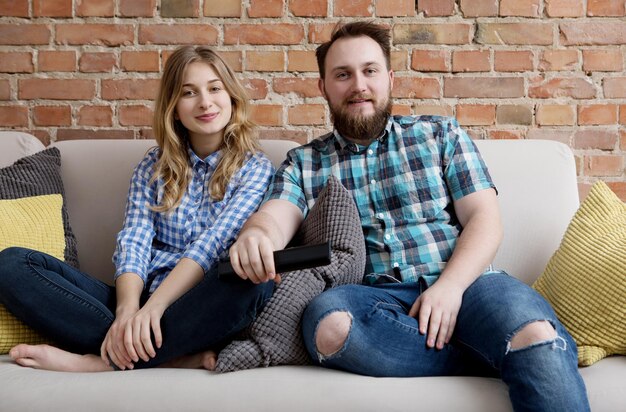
(36, 175)
(274, 338)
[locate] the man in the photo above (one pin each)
(428, 305)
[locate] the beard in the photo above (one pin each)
(358, 127)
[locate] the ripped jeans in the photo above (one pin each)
(384, 341)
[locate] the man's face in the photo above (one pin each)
(357, 87)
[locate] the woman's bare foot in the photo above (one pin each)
(203, 360)
(54, 359)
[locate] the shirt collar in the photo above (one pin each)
(210, 161)
(343, 145)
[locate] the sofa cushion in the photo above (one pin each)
(275, 338)
(585, 279)
(35, 175)
(36, 223)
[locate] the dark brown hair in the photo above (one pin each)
(374, 31)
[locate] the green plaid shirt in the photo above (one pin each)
(403, 184)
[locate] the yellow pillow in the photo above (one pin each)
(585, 280)
(33, 222)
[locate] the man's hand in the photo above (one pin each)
(436, 310)
(252, 256)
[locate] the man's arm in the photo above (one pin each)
(438, 306)
(269, 229)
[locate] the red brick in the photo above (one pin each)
(265, 8)
(488, 87)
(558, 60)
(265, 61)
(267, 114)
(577, 88)
(521, 8)
(177, 34)
(299, 86)
(557, 135)
(603, 60)
(433, 109)
(513, 61)
(597, 114)
(476, 114)
(399, 60)
(14, 8)
(140, 61)
(556, 115)
(471, 61)
(80, 134)
(443, 33)
(595, 139)
(130, 89)
(308, 8)
(301, 61)
(395, 8)
(180, 8)
(56, 61)
(479, 8)
(619, 188)
(430, 60)
(614, 8)
(263, 34)
(97, 34)
(320, 33)
(222, 8)
(306, 114)
(592, 33)
(282, 134)
(42, 135)
(432, 8)
(416, 88)
(514, 33)
(52, 116)
(95, 8)
(506, 134)
(257, 89)
(514, 114)
(56, 89)
(97, 62)
(604, 165)
(5, 89)
(615, 87)
(565, 8)
(52, 8)
(622, 114)
(24, 34)
(137, 8)
(234, 59)
(13, 116)
(101, 116)
(622, 139)
(401, 110)
(16, 62)
(354, 8)
(136, 115)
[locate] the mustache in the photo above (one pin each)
(361, 96)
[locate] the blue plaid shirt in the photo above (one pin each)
(150, 244)
(403, 184)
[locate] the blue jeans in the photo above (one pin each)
(384, 341)
(75, 311)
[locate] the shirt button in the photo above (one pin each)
(396, 264)
(381, 216)
(387, 236)
(370, 152)
(373, 181)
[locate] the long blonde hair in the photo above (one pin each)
(172, 137)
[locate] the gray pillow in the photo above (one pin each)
(36, 175)
(275, 338)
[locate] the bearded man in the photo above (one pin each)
(430, 303)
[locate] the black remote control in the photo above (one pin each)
(287, 260)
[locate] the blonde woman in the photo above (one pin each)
(187, 201)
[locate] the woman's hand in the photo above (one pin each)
(139, 330)
(113, 348)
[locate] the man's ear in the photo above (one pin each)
(320, 85)
(391, 76)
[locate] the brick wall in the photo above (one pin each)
(508, 69)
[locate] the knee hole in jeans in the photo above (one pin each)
(532, 333)
(332, 332)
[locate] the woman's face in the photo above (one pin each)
(204, 108)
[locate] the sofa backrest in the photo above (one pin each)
(536, 181)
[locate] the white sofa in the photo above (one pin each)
(538, 195)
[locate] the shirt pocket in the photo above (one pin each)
(419, 195)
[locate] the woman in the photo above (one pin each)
(187, 201)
